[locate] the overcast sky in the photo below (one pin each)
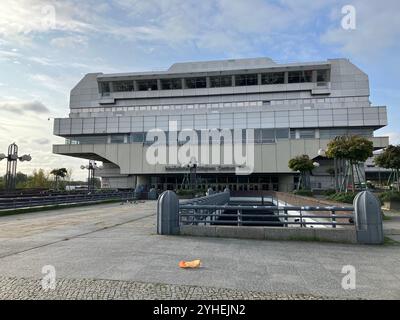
(47, 46)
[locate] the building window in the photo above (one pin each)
(273, 78)
(322, 76)
(104, 88)
(220, 81)
(122, 86)
(97, 139)
(117, 138)
(147, 85)
(196, 83)
(300, 76)
(282, 133)
(268, 135)
(171, 84)
(136, 137)
(246, 80)
(307, 133)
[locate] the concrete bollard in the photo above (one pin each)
(168, 213)
(368, 218)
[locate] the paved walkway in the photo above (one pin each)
(112, 251)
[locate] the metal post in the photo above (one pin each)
(301, 219)
(333, 219)
(286, 217)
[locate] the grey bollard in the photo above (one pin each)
(209, 192)
(368, 218)
(168, 213)
(152, 195)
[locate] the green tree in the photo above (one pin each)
(38, 179)
(58, 174)
(304, 165)
(21, 180)
(353, 149)
(390, 159)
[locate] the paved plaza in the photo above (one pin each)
(112, 251)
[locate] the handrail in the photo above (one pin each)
(194, 214)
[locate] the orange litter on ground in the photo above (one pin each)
(189, 264)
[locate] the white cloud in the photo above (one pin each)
(76, 41)
(21, 107)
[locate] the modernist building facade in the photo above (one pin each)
(293, 109)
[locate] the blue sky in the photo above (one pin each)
(47, 46)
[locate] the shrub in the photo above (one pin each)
(343, 197)
(389, 196)
(303, 192)
(329, 192)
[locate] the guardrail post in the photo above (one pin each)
(239, 217)
(301, 218)
(285, 212)
(333, 219)
(168, 213)
(368, 218)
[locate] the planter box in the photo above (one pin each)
(392, 205)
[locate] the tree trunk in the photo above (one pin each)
(353, 185)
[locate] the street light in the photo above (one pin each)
(91, 167)
(12, 159)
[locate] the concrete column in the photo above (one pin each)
(314, 76)
(286, 77)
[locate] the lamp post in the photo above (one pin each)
(91, 167)
(12, 159)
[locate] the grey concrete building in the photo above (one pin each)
(293, 108)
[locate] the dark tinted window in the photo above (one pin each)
(104, 88)
(171, 84)
(220, 81)
(147, 85)
(273, 78)
(122, 86)
(195, 83)
(246, 80)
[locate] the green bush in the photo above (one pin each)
(389, 196)
(343, 197)
(303, 192)
(329, 192)
(190, 192)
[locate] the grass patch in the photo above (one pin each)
(343, 197)
(390, 242)
(386, 218)
(53, 207)
(304, 193)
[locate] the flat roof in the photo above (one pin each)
(216, 66)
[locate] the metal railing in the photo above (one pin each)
(195, 214)
(38, 201)
(216, 199)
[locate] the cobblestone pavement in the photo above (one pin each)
(87, 289)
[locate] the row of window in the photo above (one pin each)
(214, 81)
(260, 136)
(238, 104)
